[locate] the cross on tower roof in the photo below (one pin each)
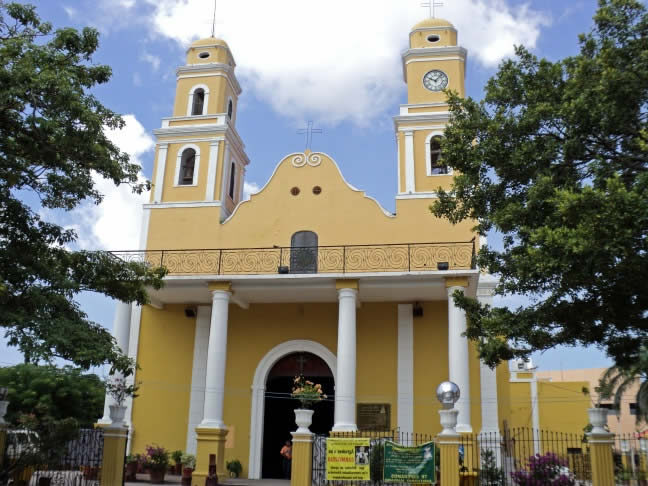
(432, 4)
(309, 131)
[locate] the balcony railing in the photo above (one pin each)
(405, 257)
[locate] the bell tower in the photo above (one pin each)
(200, 158)
(432, 63)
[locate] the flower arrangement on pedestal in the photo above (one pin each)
(308, 394)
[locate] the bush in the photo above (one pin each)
(547, 469)
(234, 467)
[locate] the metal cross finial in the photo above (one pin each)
(432, 5)
(309, 131)
(214, 19)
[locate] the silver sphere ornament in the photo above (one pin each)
(448, 393)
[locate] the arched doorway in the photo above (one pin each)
(279, 418)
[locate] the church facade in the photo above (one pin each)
(309, 276)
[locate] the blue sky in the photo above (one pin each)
(333, 62)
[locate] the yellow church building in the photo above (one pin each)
(309, 276)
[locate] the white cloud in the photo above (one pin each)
(115, 223)
(337, 60)
(250, 188)
(154, 61)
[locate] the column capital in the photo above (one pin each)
(456, 282)
(219, 286)
(347, 284)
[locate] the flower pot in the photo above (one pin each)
(3, 410)
(186, 476)
(157, 476)
(303, 419)
(598, 419)
(178, 469)
(131, 471)
(117, 413)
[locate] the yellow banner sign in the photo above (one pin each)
(347, 459)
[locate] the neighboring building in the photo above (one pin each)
(621, 421)
(309, 276)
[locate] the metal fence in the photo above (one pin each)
(630, 453)
(76, 463)
(377, 440)
(525, 457)
(405, 257)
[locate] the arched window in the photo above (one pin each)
(232, 181)
(198, 102)
(303, 252)
(230, 109)
(437, 167)
(187, 166)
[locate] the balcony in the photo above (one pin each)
(348, 259)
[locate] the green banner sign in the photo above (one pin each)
(409, 464)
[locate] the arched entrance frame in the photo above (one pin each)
(258, 391)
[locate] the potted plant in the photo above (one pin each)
(308, 394)
(132, 462)
(188, 466)
(157, 462)
(234, 467)
(177, 459)
(119, 389)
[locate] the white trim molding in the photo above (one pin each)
(190, 100)
(212, 170)
(159, 172)
(405, 419)
(258, 392)
(418, 195)
(176, 176)
(183, 204)
(410, 184)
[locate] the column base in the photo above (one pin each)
(301, 471)
(342, 428)
(209, 440)
(114, 451)
(464, 428)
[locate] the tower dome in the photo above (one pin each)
(432, 23)
(433, 32)
(209, 50)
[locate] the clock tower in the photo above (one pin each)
(432, 63)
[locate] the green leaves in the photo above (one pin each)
(52, 145)
(555, 160)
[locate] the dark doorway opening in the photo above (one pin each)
(279, 417)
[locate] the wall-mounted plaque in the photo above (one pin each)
(374, 416)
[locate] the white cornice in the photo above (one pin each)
(195, 131)
(184, 204)
(441, 116)
(206, 69)
(439, 27)
(417, 195)
(414, 52)
(215, 116)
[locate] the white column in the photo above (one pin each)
(198, 375)
(216, 359)
(345, 381)
(488, 376)
(159, 173)
(458, 365)
(211, 171)
(405, 368)
(121, 333)
(410, 185)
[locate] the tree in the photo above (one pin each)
(554, 159)
(52, 143)
(617, 381)
(59, 393)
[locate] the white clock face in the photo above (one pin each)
(435, 80)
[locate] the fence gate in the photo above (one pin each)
(78, 463)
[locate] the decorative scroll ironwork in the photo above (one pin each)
(406, 257)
